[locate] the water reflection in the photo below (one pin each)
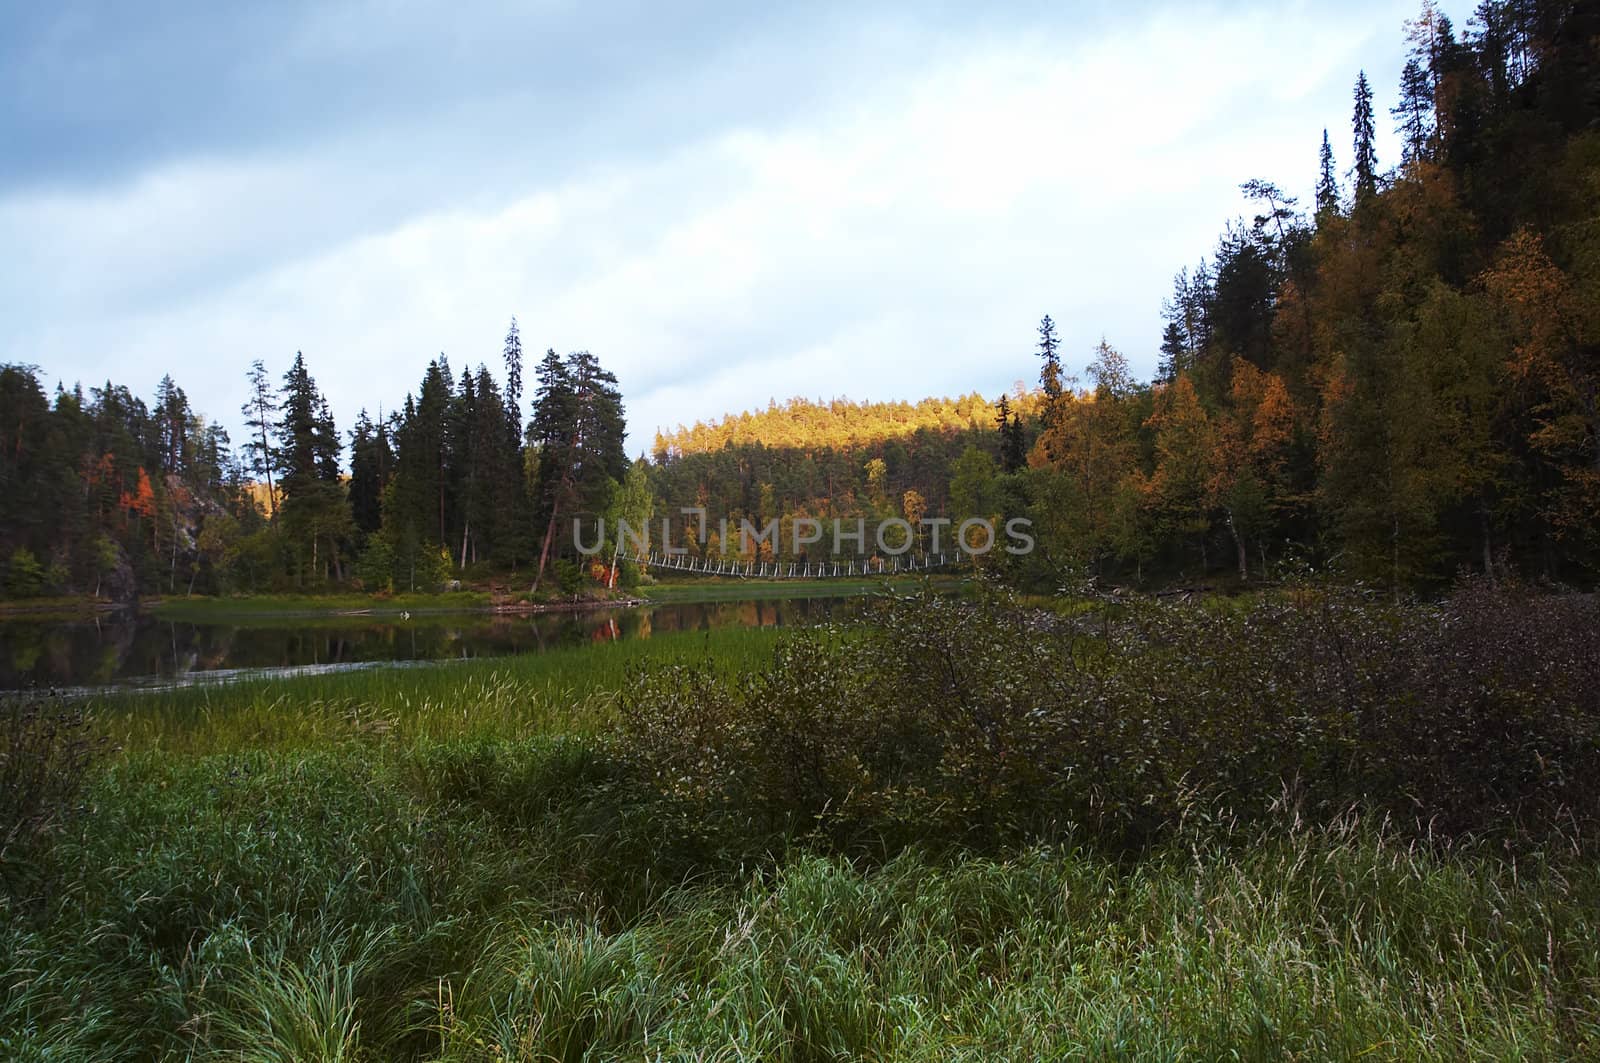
(130, 649)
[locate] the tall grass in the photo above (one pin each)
(566, 689)
(467, 863)
(1311, 946)
(488, 903)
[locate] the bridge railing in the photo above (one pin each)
(712, 566)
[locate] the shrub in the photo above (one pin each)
(569, 576)
(25, 577)
(984, 720)
(375, 567)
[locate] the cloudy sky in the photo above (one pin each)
(725, 202)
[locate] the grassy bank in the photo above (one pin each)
(566, 690)
(55, 607)
(636, 850)
(687, 591)
(269, 605)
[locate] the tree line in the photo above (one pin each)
(110, 495)
(1398, 379)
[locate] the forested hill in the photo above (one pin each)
(1399, 378)
(805, 459)
(804, 423)
(1395, 379)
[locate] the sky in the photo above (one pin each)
(726, 203)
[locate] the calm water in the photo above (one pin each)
(135, 650)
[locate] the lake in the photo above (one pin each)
(130, 649)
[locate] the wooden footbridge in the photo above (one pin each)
(877, 566)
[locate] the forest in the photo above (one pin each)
(1396, 380)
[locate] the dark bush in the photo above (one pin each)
(986, 721)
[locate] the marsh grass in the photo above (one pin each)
(562, 690)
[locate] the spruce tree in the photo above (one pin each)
(1051, 378)
(371, 464)
(1016, 444)
(1366, 152)
(172, 425)
(553, 434)
(316, 513)
(1002, 424)
(1009, 426)
(1173, 353)
(578, 427)
(1414, 112)
(513, 396)
(258, 414)
(1327, 183)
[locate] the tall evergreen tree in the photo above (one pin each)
(1050, 375)
(371, 465)
(1015, 445)
(577, 428)
(258, 413)
(1414, 112)
(424, 455)
(1365, 146)
(1009, 426)
(513, 361)
(1174, 353)
(172, 425)
(553, 435)
(1327, 183)
(316, 514)
(513, 514)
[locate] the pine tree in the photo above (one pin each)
(1002, 424)
(1174, 353)
(298, 429)
(578, 427)
(1009, 425)
(513, 514)
(463, 463)
(1327, 183)
(430, 451)
(1050, 373)
(1199, 307)
(553, 435)
(258, 417)
(1366, 152)
(513, 396)
(316, 514)
(1016, 444)
(172, 424)
(371, 466)
(1414, 112)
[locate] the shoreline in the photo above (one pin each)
(270, 606)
